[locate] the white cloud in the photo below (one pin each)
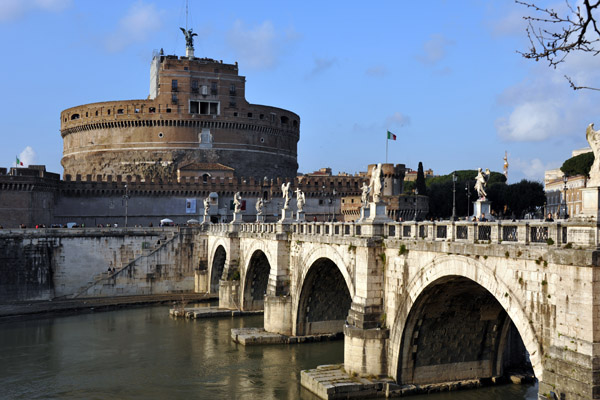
(509, 25)
(14, 9)
(434, 49)
(398, 119)
(136, 26)
(260, 46)
(321, 65)
(27, 156)
(532, 169)
(543, 105)
(377, 71)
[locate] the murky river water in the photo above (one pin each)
(144, 354)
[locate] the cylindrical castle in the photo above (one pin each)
(196, 118)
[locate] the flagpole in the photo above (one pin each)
(386, 146)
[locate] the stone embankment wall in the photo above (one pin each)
(65, 263)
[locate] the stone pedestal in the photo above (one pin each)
(189, 52)
(237, 218)
(590, 203)
(363, 350)
(287, 216)
(364, 213)
(278, 314)
(260, 218)
(300, 216)
(377, 213)
(482, 207)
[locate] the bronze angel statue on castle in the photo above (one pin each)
(189, 37)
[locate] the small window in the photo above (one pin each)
(137, 110)
(174, 98)
(232, 90)
(262, 139)
(284, 119)
(168, 110)
(213, 88)
(120, 111)
(160, 134)
(74, 116)
(194, 107)
(96, 113)
(108, 112)
(235, 114)
(185, 68)
(205, 177)
(295, 124)
(174, 85)
(86, 114)
(232, 102)
(204, 90)
(249, 115)
(261, 116)
(152, 109)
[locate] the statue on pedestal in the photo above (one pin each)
(287, 194)
(259, 206)
(364, 197)
(481, 182)
(375, 184)
(237, 202)
(300, 200)
(593, 138)
(206, 205)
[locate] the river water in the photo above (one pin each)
(143, 353)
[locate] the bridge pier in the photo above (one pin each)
(278, 314)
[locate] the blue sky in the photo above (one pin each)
(444, 76)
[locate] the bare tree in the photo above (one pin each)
(554, 35)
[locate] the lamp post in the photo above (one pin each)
(126, 198)
(333, 205)
(564, 205)
(468, 190)
(454, 196)
(416, 202)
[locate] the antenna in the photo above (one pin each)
(186, 14)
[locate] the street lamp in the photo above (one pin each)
(468, 190)
(454, 196)
(126, 198)
(416, 202)
(564, 205)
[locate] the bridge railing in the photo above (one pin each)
(519, 232)
(522, 232)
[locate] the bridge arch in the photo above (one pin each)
(324, 293)
(461, 281)
(255, 281)
(217, 262)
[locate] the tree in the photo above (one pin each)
(553, 35)
(420, 185)
(578, 165)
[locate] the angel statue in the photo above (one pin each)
(375, 184)
(237, 202)
(189, 37)
(206, 205)
(481, 182)
(259, 206)
(300, 199)
(593, 138)
(287, 194)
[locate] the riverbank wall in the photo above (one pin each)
(45, 264)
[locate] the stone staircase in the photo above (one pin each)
(106, 276)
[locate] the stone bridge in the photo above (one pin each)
(425, 302)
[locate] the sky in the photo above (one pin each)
(444, 76)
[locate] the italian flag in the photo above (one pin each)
(19, 162)
(391, 136)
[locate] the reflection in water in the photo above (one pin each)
(144, 354)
